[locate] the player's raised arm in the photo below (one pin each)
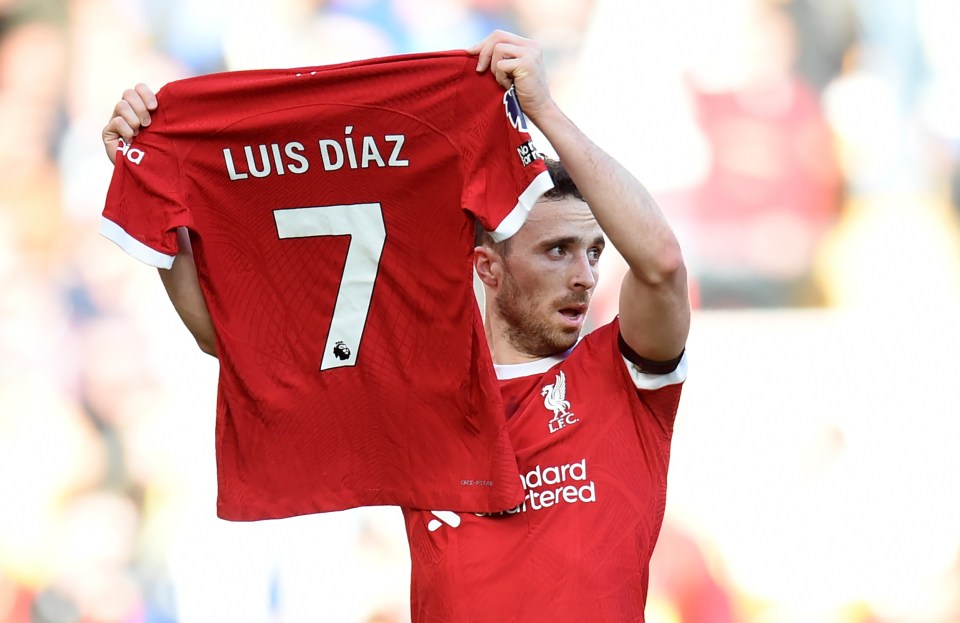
(130, 114)
(654, 300)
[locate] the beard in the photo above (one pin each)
(527, 327)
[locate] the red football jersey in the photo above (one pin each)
(592, 435)
(331, 211)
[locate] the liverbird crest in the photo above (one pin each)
(555, 396)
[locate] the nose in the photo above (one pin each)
(583, 273)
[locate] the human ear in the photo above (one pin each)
(487, 264)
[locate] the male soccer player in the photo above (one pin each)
(590, 419)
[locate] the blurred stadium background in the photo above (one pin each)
(807, 152)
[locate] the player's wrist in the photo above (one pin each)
(548, 117)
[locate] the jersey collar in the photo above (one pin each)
(508, 371)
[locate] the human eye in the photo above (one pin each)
(594, 253)
(556, 251)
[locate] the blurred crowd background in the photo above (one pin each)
(808, 153)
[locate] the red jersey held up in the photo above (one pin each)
(592, 433)
(331, 211)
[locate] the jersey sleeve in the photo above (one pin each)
(644, 379)
(658, 384)
(647, 374)
(504, 174)
(143, 207)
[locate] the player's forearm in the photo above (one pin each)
(654, 305)
(183, 288)
(625, 210)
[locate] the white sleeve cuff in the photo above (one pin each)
(132, 246)
(657, 381)
(518, 216)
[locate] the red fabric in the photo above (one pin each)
(578, 548)
(417, 421)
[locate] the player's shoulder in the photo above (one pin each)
(606, 344)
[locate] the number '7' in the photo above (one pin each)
(363, 223)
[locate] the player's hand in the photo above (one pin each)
(516, 61)
(130, 114)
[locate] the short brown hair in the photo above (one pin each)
(563, 184)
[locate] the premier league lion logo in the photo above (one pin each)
(340, 351)
(514, 114)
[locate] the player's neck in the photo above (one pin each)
(504, 354)
(503, 351)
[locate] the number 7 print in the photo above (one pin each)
(363, 223)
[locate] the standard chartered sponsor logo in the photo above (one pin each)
(545, 486)
(553, 485)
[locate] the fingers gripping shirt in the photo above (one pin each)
(331, 211)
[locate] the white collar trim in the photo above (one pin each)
(508, 371)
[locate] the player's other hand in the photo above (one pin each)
(130, 114)
(516, 61)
